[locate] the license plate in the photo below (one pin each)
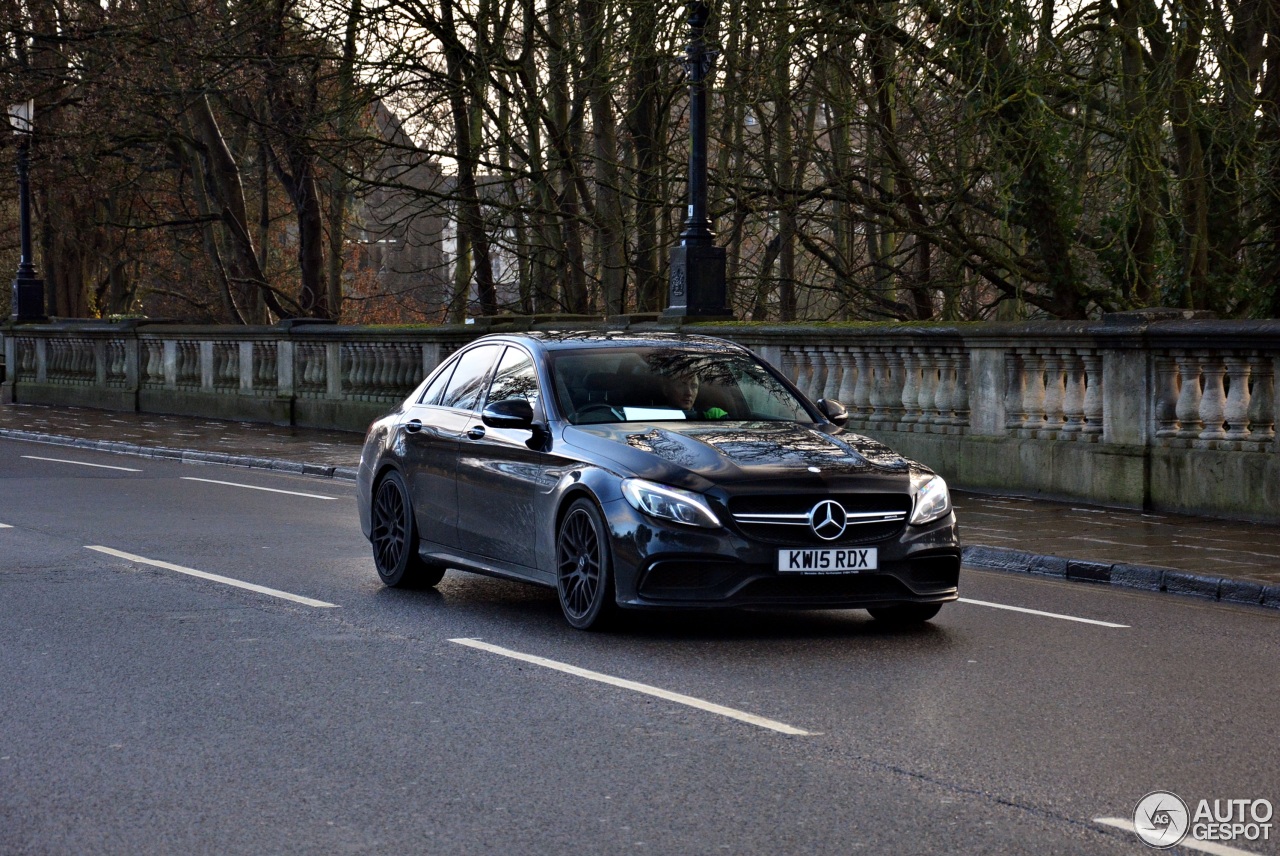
(849, 561)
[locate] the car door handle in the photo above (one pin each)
(413, 426)
(476, 432)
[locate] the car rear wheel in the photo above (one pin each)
(584, 568)
(905, 614)
(395, 538)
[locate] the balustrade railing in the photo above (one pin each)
(1209, 399)
(1054, 393)
(1168, 387)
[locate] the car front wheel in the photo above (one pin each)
(584, 568)
(395, 538)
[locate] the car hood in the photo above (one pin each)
(701, 454)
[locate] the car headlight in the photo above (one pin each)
(932, 498)
(669, 503)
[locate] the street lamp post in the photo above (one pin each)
(28, 289)
(697, 281)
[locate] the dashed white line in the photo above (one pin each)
(1038, 612)
(296, 598)
(5, 526)
(81, 463)
(1189, 843)
(657, 692)
(256, 487)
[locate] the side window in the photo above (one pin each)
(515, 378)
(432, 394)
(468, 378)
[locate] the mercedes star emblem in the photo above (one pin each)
(828, 520)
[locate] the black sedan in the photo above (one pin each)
(649, 471)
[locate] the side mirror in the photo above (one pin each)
(833, 410)
(514, 413)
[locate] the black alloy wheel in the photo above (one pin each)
(584, 572)
(905, 614)
(395, 538)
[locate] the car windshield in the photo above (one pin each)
(647, 384)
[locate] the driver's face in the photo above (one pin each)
(682, 391)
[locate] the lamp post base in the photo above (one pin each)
(28, 301)
(697, 287)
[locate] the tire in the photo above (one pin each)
(394, 536)
(906, 614)
(584, 568)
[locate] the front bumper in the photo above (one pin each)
(664, 566)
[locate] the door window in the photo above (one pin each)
(463, 391)
(436, 389)
(515, 378)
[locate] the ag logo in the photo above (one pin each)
(1161, 819)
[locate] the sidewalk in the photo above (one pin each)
(1226, 560)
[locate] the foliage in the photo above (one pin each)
(241, 160)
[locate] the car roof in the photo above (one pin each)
(556, 340)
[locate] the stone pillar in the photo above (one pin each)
(1094, 404)
(99, 362)
(284, 368)
(930, 382)
(848, 377)
(206, 367)
(246, 368)
(430, 357)
(1126, 404)
(1166, 397)
(170, 364)
(1054, 395)
(988, 378)
(1073, 399)
(1237, 407)
(1213, 402)
(910, 387)
(8, 390)
(1262, 405)
(1188, 406)
(42, 360)
(333, 369)
(133, 364)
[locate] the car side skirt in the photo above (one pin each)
(472, 563)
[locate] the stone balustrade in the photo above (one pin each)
(1141, 409)
(314, 375)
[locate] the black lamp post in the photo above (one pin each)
(697, 285)
(28, 289)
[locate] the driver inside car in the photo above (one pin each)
(680, 391)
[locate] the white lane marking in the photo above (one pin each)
(1188, 842)
(255, 487)
(678, 698)
(81, 463)
(296, 598)
(5, 526)
(1038, 612)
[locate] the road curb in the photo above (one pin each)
(189, 456)
(1125, 575)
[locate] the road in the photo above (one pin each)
(147, 710)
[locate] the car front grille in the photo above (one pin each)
(785, 519)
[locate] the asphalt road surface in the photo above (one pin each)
(144, 709)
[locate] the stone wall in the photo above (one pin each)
(1139, 410)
